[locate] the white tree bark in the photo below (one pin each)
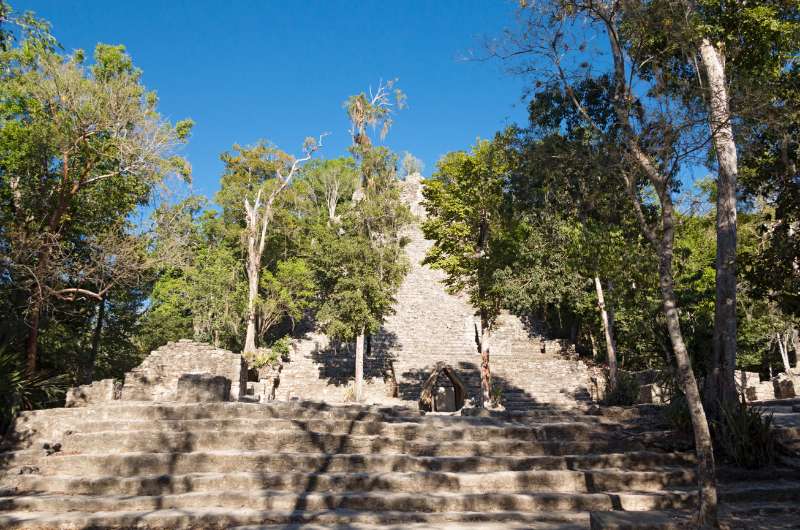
(257, 218)
(783, 348)
(359, 382)
(722, 386)
(796, 346)
(611, 348)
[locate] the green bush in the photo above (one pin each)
(744, 435)
(264, 358)
(282, 347)
(626, 393)
(677, 415)
(272, 356)
(22, 391)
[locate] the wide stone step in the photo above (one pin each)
(429, 430)
(788, 402)
(55, 420)
(779, 490)
(135, 464)
(220, 518)
(143, 410)
(303, 442)
(382, 501)
(536, 525)
(419, 482)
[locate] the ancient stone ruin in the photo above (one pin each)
(156, 379)
(96, 392)
(188, 442)
(430, 325)
(185, 370)
(204, 387)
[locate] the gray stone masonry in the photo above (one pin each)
(197, 388)
(156, 379)
(167, 466)
(783, 386)
(95, 393)
(431, 325)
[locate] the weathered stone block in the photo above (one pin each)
(193, 388)
(652, 393)
(784, 387)
(262, 390)
(97, 392)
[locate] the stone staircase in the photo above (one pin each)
(222, 465)
(431, 325)
(161, 465)
(786, 422)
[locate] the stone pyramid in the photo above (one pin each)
(431, 325)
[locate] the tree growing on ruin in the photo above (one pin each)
(360, 262)
(373, 109)
(410, 165)
(257, 176)
(465, 204)
(376, 219)
(329, 183)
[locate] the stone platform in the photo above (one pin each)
(156, 465)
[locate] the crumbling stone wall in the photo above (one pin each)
(97, 392)
(156, 379)
(320, 369)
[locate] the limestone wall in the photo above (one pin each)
(97, 392)
(156, 379)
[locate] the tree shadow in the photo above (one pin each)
(336, 363)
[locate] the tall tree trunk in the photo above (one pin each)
(359, 383)
(663, 242)
(707, 513)
(721, 386)
(783, 348)
(486, 373)
(253, 270)
(702, 435)
(32, 342)
(36, 307)
(611, 347)
(593, 344)
(252, 294)
(88, 375)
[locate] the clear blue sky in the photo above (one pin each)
(279, 70)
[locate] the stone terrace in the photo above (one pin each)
(243, 465)
(219, 465)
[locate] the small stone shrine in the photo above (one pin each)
(443, 391)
